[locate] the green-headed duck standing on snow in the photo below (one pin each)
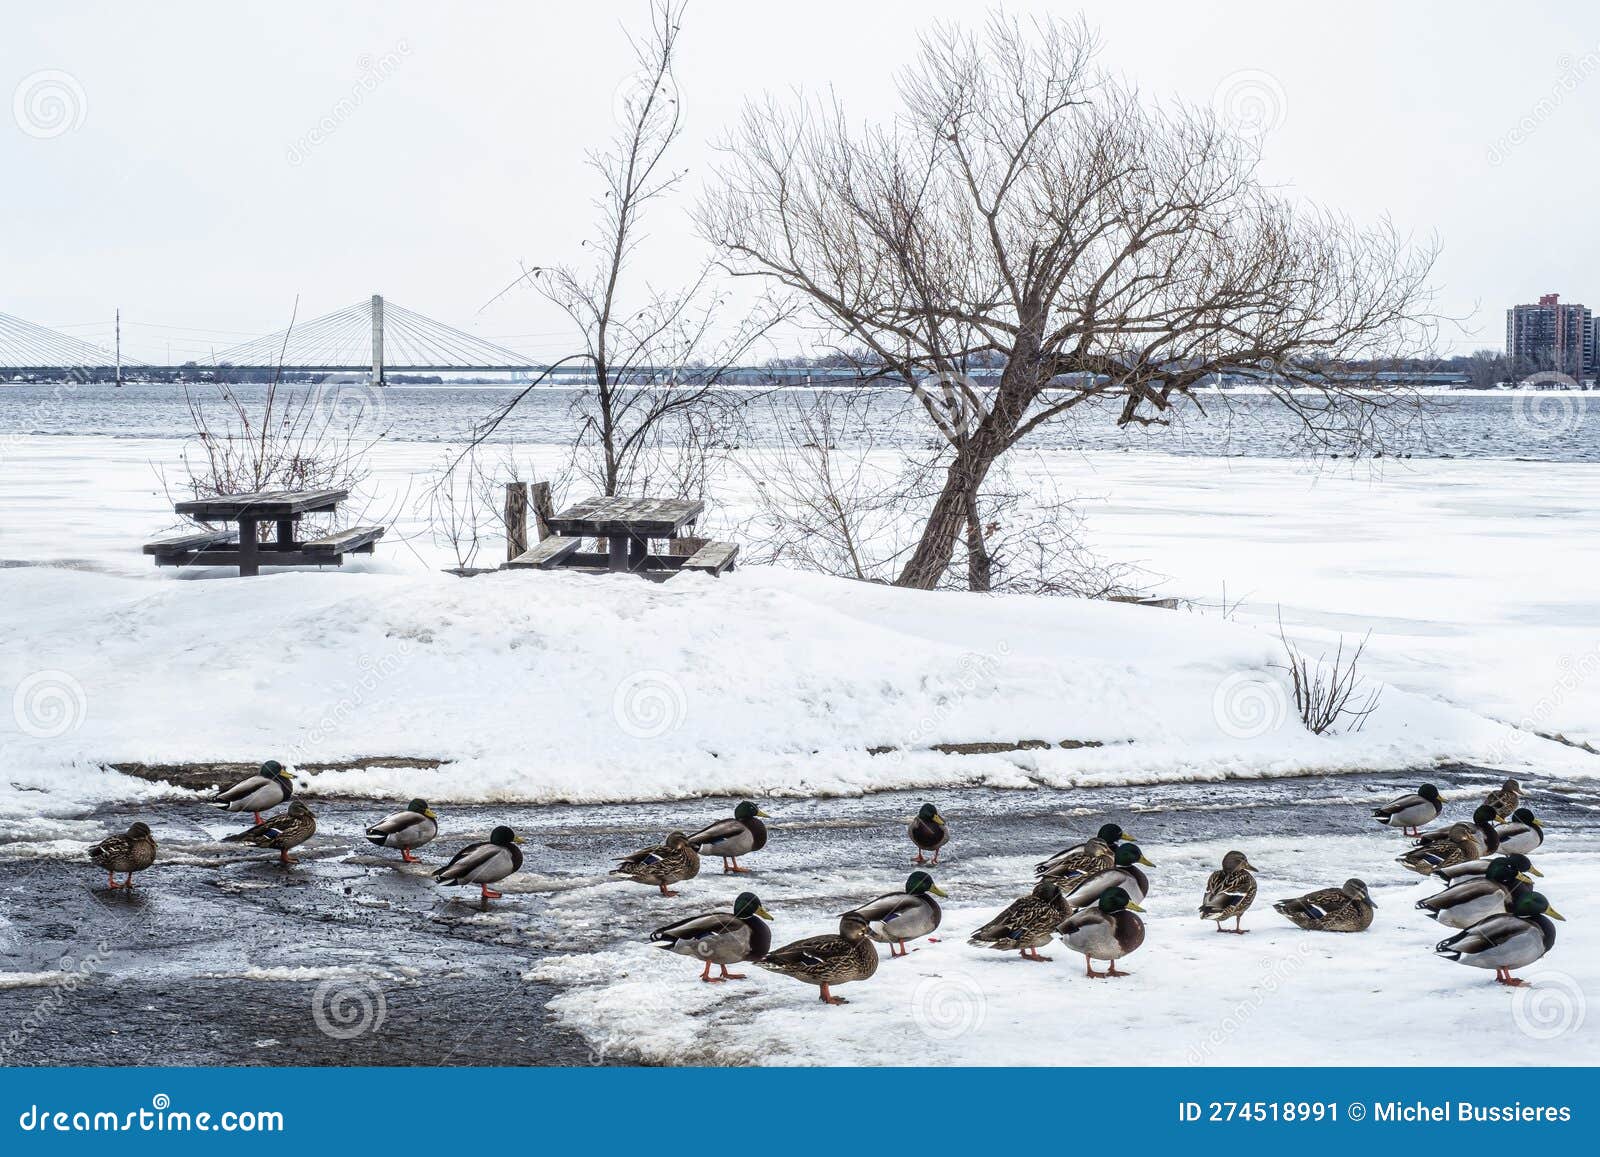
(1108, 931)
(1508, 941)
(896, 917)
(1409, 812)
(732, 838)
(720, 938)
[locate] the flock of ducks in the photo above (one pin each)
(1089, 895)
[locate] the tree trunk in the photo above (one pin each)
(931, 558)
(980, 566)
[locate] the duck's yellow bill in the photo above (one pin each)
(1146, 862)
(1553, 914)
(1132, 907)
(762, 814)
(764, 914)
(938, 891)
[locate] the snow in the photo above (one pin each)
(1470, 574)
(1195, 997)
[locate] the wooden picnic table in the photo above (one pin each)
(240, 545)
(628, 527)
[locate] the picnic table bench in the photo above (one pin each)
(240, 545)
(628, 527)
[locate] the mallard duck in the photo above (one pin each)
(1095, 854)
(1028, 923)
(1508, 941)
(262, 792)
(412, 828)
(286, 830)
(1108, 931)
(894, 918)
(1454, 845)
(719, 938)
(1492, 894)
(828, 960)
(1084, 891)
(484, 863)
(1523, 834)
(133, 851)
(1343, 909)
(668, 863)
(1229, 892)
(1409, 812)
(1504, 799)
(730, 839)
(1476, 869)
(929, 832)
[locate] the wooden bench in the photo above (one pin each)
(713, 558)
(191, 543)
(355, 540)
(550, 553)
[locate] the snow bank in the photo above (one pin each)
(550, 687)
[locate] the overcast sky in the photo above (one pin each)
(176, 175)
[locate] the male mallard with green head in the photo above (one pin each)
(273, 785)
(894, 918)
(668, 863)
(1095, 854)
(1504, 799)
(484, 863)
(828, 960)
(1523, 834)
(1229, 892)
(1348, 908)
(1479, 897)
(730, 839)
(1477, 869)
(719, 938)
(1027, 924)
(1084, 891)
(406, 830)
(1508, 941)
(929, 832)
(281, 832)
(133, 851)
(1409, 812)
(1108, 931)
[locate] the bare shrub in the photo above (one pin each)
(1328, 694)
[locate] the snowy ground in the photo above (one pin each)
(221, 956)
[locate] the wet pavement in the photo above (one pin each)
(221, 956)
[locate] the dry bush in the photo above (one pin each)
(1328, 695)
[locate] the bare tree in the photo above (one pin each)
(1026, 213)
(657, 355)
